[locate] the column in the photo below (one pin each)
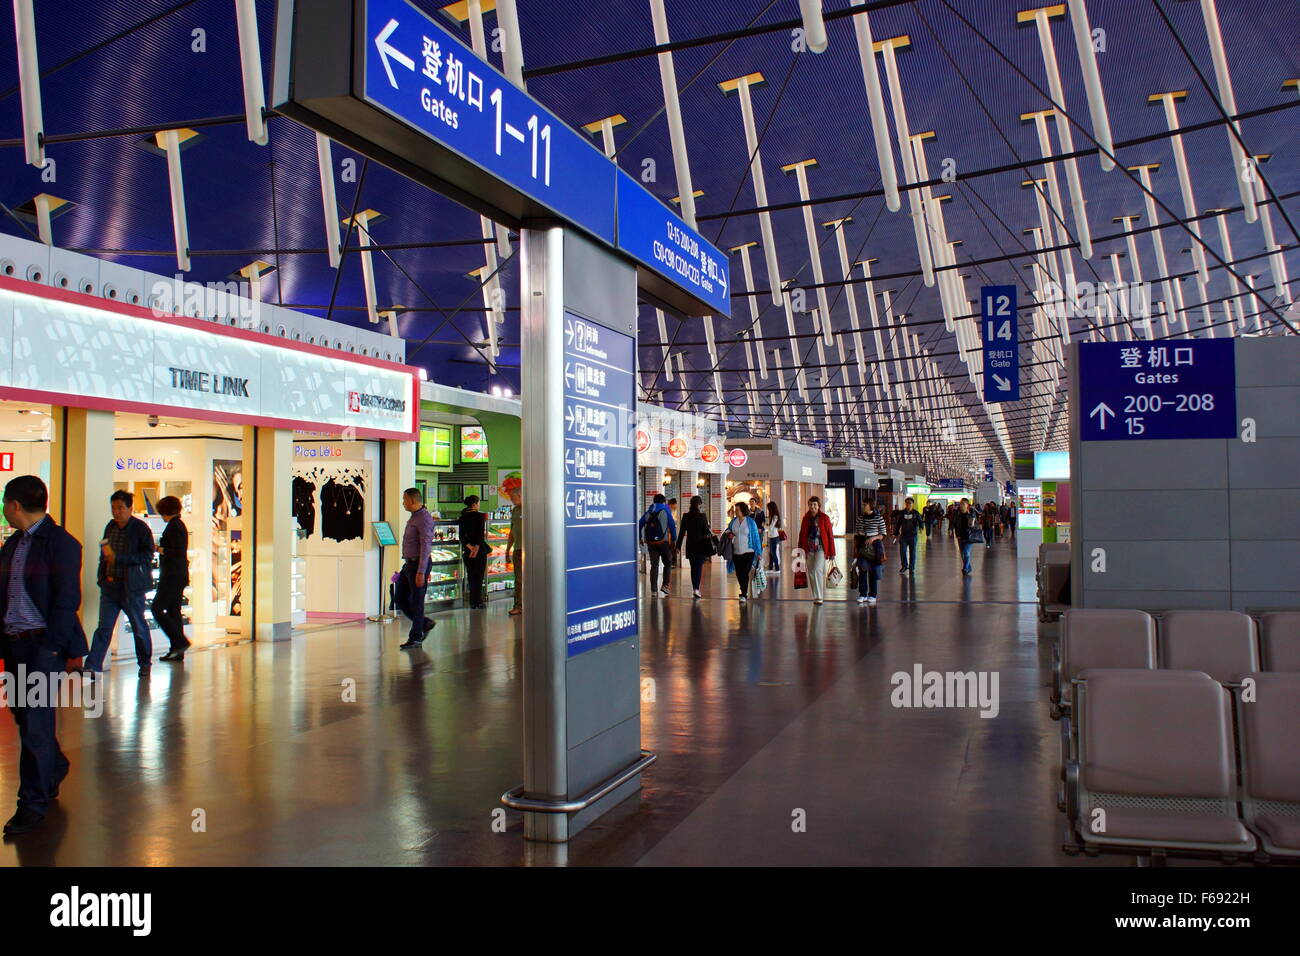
(581, 657)
(268, 530)
(81, 480)
(399, 474)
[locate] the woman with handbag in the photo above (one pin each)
(817, 540)
(746, 546)
(869, 553)
(697, 538)
(775, 535)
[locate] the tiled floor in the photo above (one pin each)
(763, 716)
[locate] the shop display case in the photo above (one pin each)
(298, 582)
(445, 570)
(500, 570)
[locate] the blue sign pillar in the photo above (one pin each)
(998, 325)
(599, 485)
(1177, 388)
(581, 655)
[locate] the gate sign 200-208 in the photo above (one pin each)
(1178, 388)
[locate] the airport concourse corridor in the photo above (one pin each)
(756, 712)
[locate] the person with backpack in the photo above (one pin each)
(659, 532)
(697, 538)
(746, 546)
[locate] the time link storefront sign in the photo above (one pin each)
(131, 362)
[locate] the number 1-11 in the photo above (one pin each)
(544, 135)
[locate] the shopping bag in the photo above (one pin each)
(834, 577)
(800, 580)
(758, 582)
(853, 577)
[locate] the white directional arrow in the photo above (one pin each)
(568, 332)
(568, 505)
(1102, 410)
(568, 415)
(568, 375)
(388, 51)
(1004, 385)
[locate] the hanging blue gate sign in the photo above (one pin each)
(998, 324)
(422, 75)
(653, 235)
(599, 485)
(386, 79)
(1178, 388)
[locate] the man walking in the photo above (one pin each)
(173, 576)
(125, 556)
(514, 547)
(417, 545)
(659, 532)
(40, 594)
(905, 533)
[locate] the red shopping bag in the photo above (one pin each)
(800, 580)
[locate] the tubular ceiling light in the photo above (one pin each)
(325, 167)
(29, 83)
(673, 111)
(741, 86)
(1228, 100)
(1092, 83)
(887, 49)
(876, 106)
(1040, 18)
(800, 171)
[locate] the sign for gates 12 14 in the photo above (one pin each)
(1171, 389)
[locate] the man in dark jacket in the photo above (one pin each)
(906, 529)
(173, 578)
(125, 574)
(40, 593)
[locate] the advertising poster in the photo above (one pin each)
(473, 444)
(227, 511)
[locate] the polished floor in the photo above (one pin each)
(776, 737)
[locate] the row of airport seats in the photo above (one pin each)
(1179, 733)
(1053, 573)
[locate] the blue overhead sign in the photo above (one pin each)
(420, 74)
(998, 322)
(657, 238)
(1176, 388)
(599, 485)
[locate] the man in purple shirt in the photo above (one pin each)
(417, 543)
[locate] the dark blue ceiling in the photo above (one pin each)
(111, 64)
